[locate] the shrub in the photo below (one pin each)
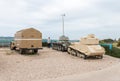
(44, 44)
(118, 44)
(115, 52)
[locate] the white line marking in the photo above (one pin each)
(28, 39)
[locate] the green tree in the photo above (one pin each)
(119, 39)
(108, 41)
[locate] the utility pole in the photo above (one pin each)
(63, 23)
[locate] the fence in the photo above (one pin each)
(5, 41)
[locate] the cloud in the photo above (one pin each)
(82, 17)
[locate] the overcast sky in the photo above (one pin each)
(100, 17)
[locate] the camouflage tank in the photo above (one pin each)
(62, 44)
(88, 46)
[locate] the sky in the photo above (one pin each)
(82, 17)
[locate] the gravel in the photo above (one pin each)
(47, 64)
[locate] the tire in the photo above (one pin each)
(36, 51)
(12, 48)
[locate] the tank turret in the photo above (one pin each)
(89, 40)
(63, 38)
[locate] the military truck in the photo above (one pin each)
(62, 44)
(26, 40)
(88, 46)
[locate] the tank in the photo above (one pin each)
(26, 40)
(87, 47)
(62, 44)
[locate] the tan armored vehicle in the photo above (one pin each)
(88, 46)
(26, 40)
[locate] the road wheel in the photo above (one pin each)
(101, 56)
(69, 50)
(60, 48)
(78, 54)
(63, 48)
(85, 56)
(21, 51)
(74, 53)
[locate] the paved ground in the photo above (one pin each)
(48, 64)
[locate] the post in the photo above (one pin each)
(63, 22)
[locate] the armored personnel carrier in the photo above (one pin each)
(88, 46)
(62, 44)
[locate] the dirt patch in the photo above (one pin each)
(47, 64)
